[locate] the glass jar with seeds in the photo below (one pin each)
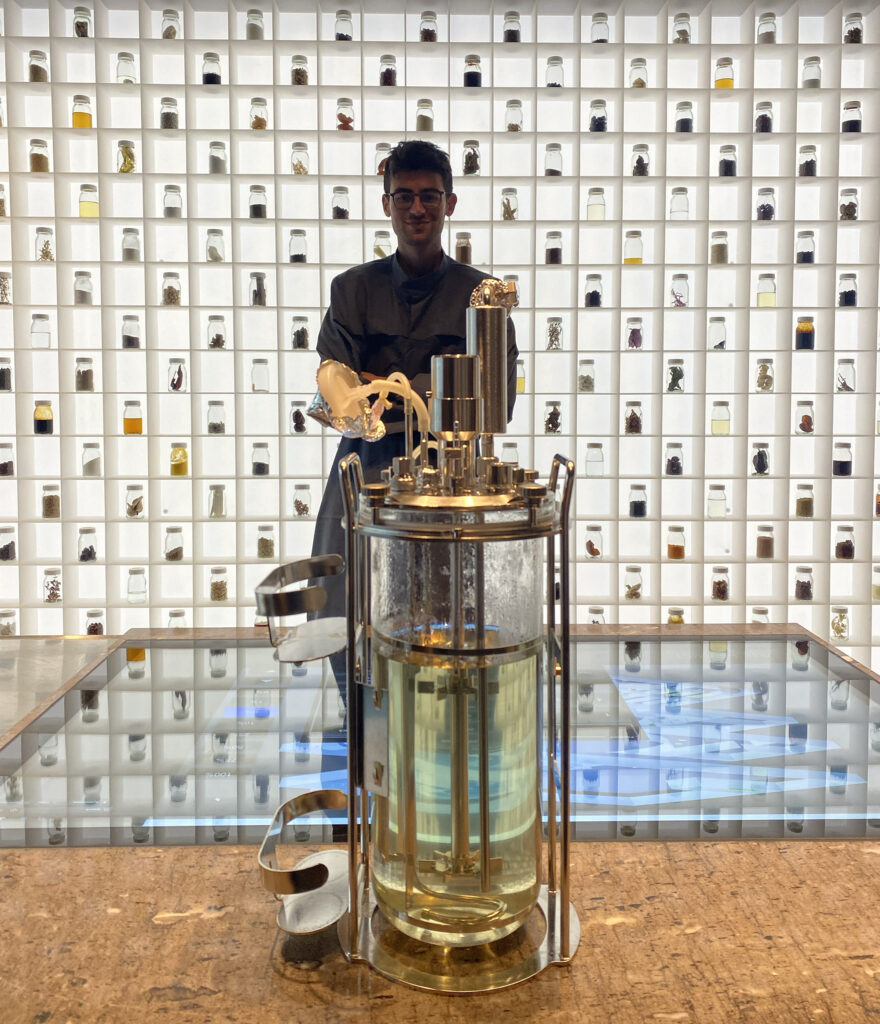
(807, 162)
(299, 333)
(428, 27)
(674, 458)
(171, 288)
(681, 28)
(5, 288)
(302, 500)
(259, 113)
(38, 66)
(299, 70)
(343, 29)
(131, 331)
(847, 294)
(641, 160)
(675, 543)
(299, 158)
(554, 77)
(5, 373)
(593, 290)
(254, 28)
(638, 73)
(218, 588)
(727, 162)
(598, 116)
(87, 544)
(599, 28)
(849, 204)
(265, 540)
(50, 506)
(844, 543)
(7, 544)
(38, 156)
(638, 501)
(842, 460)
(168, 118)
(586, 379)
(340, 207)
(211, 73)
(297, 247)
(763, 117)
(766, 205)
(82, 22)
(173, 547)
(553, 248)
(513, 116)
(216, 417)
(720, 583)
(718, 249)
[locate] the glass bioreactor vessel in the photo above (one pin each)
(458, 735)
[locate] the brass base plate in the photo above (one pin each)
(536, 944)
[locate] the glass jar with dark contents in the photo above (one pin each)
(727, 162)
(638, 501)
(763, 117)
(803, 583)
(844, 543)
(842, 462)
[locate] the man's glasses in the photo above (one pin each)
(403, 199)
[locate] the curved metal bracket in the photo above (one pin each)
(276, 602)
(286, 882)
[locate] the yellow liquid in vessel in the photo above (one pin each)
(633, 259)
(88, 208)
(595, 212)
(427, 882)
(766, 299)
(82, 119)
(723, 83)
(134, 425)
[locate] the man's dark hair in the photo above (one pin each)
(418, 155)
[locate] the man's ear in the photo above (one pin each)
(386, 205)
(451, 200)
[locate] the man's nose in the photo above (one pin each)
(417, 205)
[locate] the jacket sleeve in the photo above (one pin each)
(338, 338)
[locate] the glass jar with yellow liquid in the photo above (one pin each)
(632, 247)
(766, 290)
(724, 73)
(520, 377)
(132, 418)
(82, 112)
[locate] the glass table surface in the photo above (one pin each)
(183, 742)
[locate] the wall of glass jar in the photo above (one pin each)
(689, 204)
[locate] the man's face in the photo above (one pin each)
(417, 225)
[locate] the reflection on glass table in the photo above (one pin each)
(180, 742)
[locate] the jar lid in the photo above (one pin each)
(717, 320)
(137, 571)
(125, 142)
(719, 568)
(633, 234)
(676, 362)
(123, 55)
(723, 61)
(728, 149)
(842, 444)
(261, 444)
(176, 613)
(81, 10)
(598, 526)
(765, 529)
(298, 232)
(840, 609)
(628, 404)
(600, 16)
(716, 487)
(88, 188)
(340, 189)
(458, 234)
(676, 529)
(719, 234)
(91, 444)
(804, 487)
(683, 103)
(216, 487)
(847, 277)
(676, 611)
(636, 487)
(553, 147)
(345, 101)
(767, 191)
(674, 444)
(261, 362)
(766, 277)
(805, 234)
(808, 401)
(760, 444)
(636, 60)
(594, 444)
(218, 568)
(341, 13)
(849, 191)
(214, 402)
(254, 13)
(88, 359)
(554, 234)
(53, 571)
(45, 230)
(762, 360)
(554, 319)
(298, 146)
(852, 105)
(846, 529)
(759, 609)
(169, 12)
(42, 401)
(269, 526)
(38, 142)
(805, 149)
(299, 58)
(131, 316)
(9, 529)
(554, 61)
(82, 273)
(210, 56)
(633, 568)
(87, 529)
(640, 147)
(179, 444)
(510, 191)
(79, 98)
(130, 402)
(258, 101)
(812, 60)
(679, 277)
(429, 15)
(176, 359)
(764, 105)
(596, 191)
(594, 609)
(258, 275)
(848, 361)
(48, 487)
(174, 529)
(679, 190)
(514, 103)
(511, 15)
(387, 58)
(37, 55)
(169, 101)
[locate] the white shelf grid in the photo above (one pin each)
(384, 115)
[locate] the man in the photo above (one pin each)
(395, 314)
